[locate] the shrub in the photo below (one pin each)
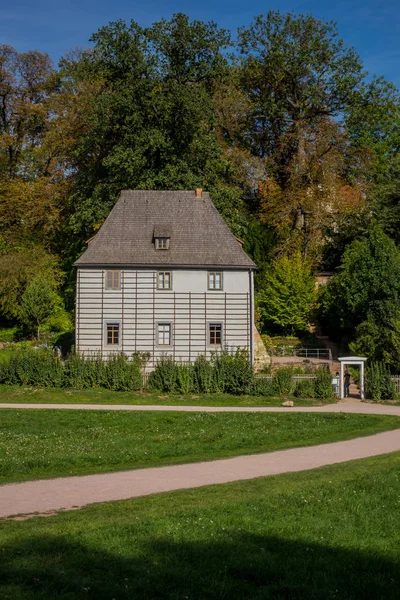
(165, 376)
(185, 378)
(283, 381)
(305, 388)
(42, 368)
(233, 373)
(323, 384)
(378, 382)
(203, 375)
(82, 372)
(32, 367)
(262, 386)
(226, 373)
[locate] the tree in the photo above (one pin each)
(361, 303)
(19, 266)
(305, 87)
(288, 296)
(38, 303)
(152, 123)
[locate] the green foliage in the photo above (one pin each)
(19, 267)
(283, 381)
(225, 372)
(165, 375)
(263, 386)
(38, 303)
(152, 123)
(42, 368)
(305, 389)
(362, 301)
(288, 295)
(203, 375)
(296, 69)
(323, 385)
(32, 367)
(233, 373)
(378, 382)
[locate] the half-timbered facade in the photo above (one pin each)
(164, 275)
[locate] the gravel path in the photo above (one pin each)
(349, 406)
(69, 493)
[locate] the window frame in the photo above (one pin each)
(160, 241)
(163, 288)
(109, 323)
(112, 288)
(209, 324)
(213, 274)
(157, 334)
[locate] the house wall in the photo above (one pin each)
(139, 305)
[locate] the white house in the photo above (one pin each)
(164, 275)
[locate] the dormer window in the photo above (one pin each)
(161, 236)
(162, 243)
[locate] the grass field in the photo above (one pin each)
(47, 443)
(332, 533)
(100, 396)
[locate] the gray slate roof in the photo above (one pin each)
(199, 235)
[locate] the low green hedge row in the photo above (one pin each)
(42, 368)
(223, 373)
(233, 374)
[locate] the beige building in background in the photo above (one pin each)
(164, 275)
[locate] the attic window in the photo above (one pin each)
(162, 243)
(162, 235)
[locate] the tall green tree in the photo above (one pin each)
(38, 303)
(307, 93)
(288, 295)
(361, 303)
(152, 123)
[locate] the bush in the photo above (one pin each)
(283, 381)
(262, 386)
(203, 376)
(323, 384)
(165, 376)
(42, 368)
(305, 388)
(185, 378)
(233, 373)
(32, 367)
(224, 373)
(378, 382)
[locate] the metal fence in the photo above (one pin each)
(319, 353)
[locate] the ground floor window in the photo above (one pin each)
(112, 334)
(164, 334)
(215, 334)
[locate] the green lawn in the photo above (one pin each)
(48, 443)
(332, 533)
(98, 396)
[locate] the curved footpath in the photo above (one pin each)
(69, 493)
(352, 406)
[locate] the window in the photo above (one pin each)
(215, 280)
(164, 334)
(113, 280)
(162, 243)
(215, 334)
(164, 280)
(112, 334)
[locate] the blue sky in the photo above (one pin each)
(371, 26)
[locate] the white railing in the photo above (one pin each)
(319, 353)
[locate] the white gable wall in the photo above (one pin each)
(138, 306)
